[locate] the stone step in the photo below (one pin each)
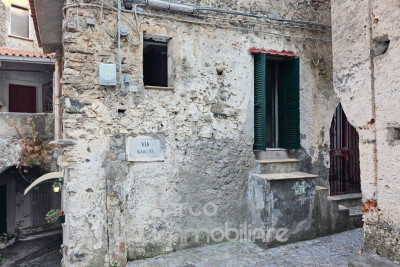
(347, 200)
(285, 176)
(356, 216)
(273, 153)
(276, 165)
(343, 208)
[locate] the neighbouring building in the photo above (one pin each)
(365, 52)
(26, 91)
(194, 122)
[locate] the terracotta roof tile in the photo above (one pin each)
(283, 53)
(21, 53)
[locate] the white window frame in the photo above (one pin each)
(39, 93)
(29, 24)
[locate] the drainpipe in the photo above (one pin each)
(57, 100)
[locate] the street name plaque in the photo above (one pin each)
(144, 148)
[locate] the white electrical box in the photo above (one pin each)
(107, 74)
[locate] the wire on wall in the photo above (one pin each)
(136, 25)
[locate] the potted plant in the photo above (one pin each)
(55, 215)
(6, 239)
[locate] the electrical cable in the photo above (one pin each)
(102, 20)
(211, 9)
(200, 23)
(237, 27)
(23, 176)
(119, 43)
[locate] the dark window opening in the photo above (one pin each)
(19, 25)
(155, 63)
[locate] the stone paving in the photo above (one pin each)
(334, 250)
(39, 252)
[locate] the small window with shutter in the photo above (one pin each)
(19, 21)
(276, 102)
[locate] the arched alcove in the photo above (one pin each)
(25, 214)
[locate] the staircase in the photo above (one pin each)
(352, 204)
(280, 196)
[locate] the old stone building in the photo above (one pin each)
(194, 122)
(26, 91)
(365, 52)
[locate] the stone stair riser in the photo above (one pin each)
(272, 154)
(276, 167)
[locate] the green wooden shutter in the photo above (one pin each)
(289, 119)
(260, 116)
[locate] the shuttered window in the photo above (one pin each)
(260, 115)
(286, 85)
(289, 115)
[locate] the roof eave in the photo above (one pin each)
(47, 18)
(27, 59)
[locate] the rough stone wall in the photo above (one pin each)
(366, 80)
(118, 210)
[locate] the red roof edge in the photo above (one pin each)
(283, 53)
(35, 23)
(22, 53)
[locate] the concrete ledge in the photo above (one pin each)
(273, 161)
(286, 176)
(370, 260)
(345, 197)
(44, 123)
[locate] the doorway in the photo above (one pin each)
(3, 209)
(276, 102)
(344, 171)
(22, 98)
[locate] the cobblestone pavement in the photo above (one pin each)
(334, 250)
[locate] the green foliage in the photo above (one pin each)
(1, 260)
(34, 150)
(52, 215)
(5, 237)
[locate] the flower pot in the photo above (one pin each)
(9, 243)
(61, 219)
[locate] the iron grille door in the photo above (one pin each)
(41, 203)
(344, 172)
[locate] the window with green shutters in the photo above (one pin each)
(260, 115)
(276, 102)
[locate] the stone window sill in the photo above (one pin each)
(158, 87)
(20, 37)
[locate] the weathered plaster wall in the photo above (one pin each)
(14, 42)
(130, 210)
(9, 143)
(367, 82)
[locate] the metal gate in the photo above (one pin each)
(344, 172)
(41, 203)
